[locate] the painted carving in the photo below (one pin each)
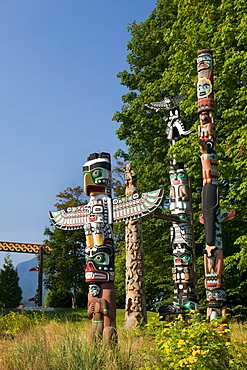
(183, 272)
(211, 216)
(96, 218)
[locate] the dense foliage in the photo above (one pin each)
(10, 292)
(194, 346)
(162, 55)
(64, 266)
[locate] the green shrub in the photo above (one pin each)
(15, 322)
(192, 344)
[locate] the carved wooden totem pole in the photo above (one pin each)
(135, 308)
(182, 241)
(211, 216)
(97, 217)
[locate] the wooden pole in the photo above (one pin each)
(135, 308)
(40, 277)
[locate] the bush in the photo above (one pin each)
(192, 344)
(60, 298)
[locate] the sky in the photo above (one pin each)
(58, 93)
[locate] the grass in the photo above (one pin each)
(58, 340)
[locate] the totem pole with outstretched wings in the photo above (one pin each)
(96, 218)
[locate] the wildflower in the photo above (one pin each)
(181, 342)
(182, 362)
(192, 359)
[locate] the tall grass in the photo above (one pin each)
(59, 341)
(57, 345)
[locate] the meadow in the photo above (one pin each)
(58, 340)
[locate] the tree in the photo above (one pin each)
(64, 266)
(10, 292)
(158, 280)
(162, 55)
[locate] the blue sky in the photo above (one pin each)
(58, 93)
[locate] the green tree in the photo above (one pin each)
(162, 55)
(158, 281)
(64, 266)
(10, 292)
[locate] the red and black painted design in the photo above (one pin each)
(211, 216)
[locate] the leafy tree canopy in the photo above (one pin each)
(162, 55)
(64, 266)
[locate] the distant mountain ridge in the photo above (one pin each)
(28, 280)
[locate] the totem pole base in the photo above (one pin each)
(108, 335)
(102, 311)
(170, 312)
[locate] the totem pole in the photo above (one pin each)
(97, 217)
(211, 216)
(182, 241)
(135, 308)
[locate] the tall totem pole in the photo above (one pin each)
(182, 241)
(135, 306)
(211, 216)
(96, 218)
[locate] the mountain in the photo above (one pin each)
(28, 280)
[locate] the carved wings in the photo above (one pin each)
(169, 102)
(136, 205)
(71, 219)
(126, 208)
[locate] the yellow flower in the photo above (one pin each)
(164, 330)
(182, 362)
(181, 342)
(192, 359)
(228, 344)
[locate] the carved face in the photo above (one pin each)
(204, 61)
(204, 88)
(178, 177)
(99, 265)
(216, 295)
(94, 290)
(97, 174)
(183, 260)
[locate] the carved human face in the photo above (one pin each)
(94, 290)
(204, 88)
(178, 177)
(204, 61)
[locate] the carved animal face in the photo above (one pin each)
(97, 174)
